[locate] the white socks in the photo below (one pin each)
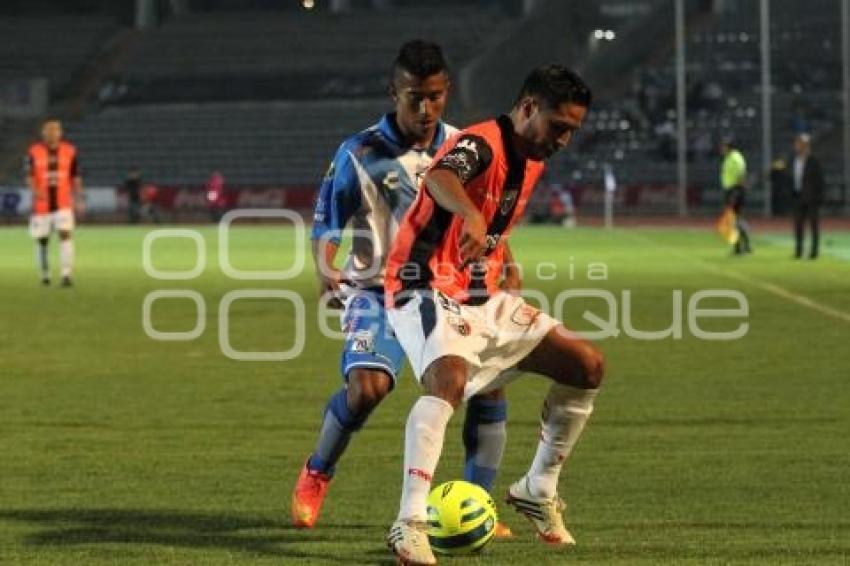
(565, 411)
(423, 443)
(66, 257)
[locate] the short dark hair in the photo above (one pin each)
(554, 85)
(420, 58)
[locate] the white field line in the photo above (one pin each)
(769, 287)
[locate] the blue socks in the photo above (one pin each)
(338, 426)
(484, 436)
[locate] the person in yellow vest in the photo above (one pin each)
(733, 181)
(53, 175)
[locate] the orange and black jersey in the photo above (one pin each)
(52, 172)
(426, 252)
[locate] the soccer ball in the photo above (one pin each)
(461, 518)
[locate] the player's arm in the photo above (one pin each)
(29, 173)
(77, 186)
(328, 276)
(470, 156)
(512, 276)
(337, 200)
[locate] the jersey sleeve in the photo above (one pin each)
(470, 156)
(338, 199)
(28, 165)
(74, 169)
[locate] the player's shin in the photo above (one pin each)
(423, 443)
(66, 256)
(338, 426)
(565, 412)
(484, 437)
(41, 258)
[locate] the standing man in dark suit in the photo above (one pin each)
(807, 193)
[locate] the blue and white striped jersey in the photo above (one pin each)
(371, 182)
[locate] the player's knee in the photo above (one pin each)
(494, 395)
(367, 388)
(592, 368)
(64, 235)
(42, 241)
(446, 378)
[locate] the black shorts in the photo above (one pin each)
(734, 197)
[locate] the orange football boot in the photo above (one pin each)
(307, 497)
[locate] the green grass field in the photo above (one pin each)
(119, 449)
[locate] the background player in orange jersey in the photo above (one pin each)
(53, 175)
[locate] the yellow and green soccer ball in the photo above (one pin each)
(461, 518)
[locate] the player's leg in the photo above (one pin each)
(66, 257)
(443, 383)
(65, 226)
(814, 217)
(576, 368)
(484, 438)
(345, 413)
(371, 360)
(799, 221)
(428, 331)
(40, 231)
(743, 243)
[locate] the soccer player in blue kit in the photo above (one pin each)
(373, 179)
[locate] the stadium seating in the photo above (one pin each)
(219, 60)
(294, 54)
(250, 142)
(54, 47)
(636, 132)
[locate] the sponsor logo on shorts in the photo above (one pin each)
(524, 315)
(363, 341)
(448, 304)
(460, 325)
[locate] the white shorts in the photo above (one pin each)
(493, 338)
(41, 224)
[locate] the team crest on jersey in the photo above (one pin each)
(469, 145)
(460, 325)
(508, 200)
(391, 181)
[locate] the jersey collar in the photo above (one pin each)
(389, 130)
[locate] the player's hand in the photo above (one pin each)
(80, 207)
(512, 283)
(473, 238)
(330, 279)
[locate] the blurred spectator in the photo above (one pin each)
(780, 187)
(9, 206)
(133, 186)
(562, 209)
(150, 206)
(216, 199)
(807, 193)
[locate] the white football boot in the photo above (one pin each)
(544, 514)
(409, 541)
